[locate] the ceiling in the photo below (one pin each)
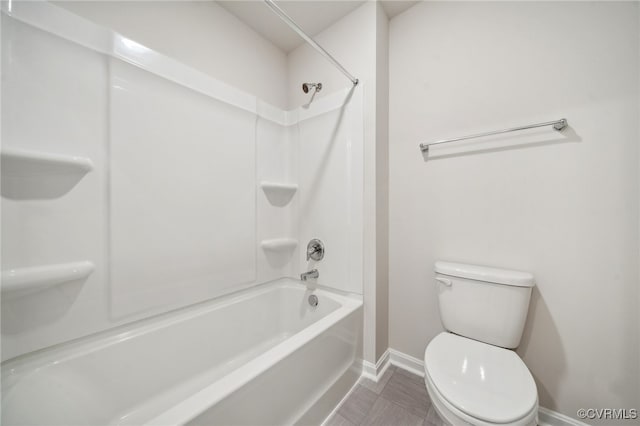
(311, 15)
(396, 7)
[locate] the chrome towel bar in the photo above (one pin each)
(558, 125)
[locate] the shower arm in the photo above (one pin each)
(291, 23)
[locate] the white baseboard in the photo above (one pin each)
(407, 362)
(413, 365)
(369, 370)
(375, 372)
(548, 417)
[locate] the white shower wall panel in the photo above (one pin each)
(330, 157)
(54, 100)
(166, 216)
(182, 193)
(276, 147)
(172, 211)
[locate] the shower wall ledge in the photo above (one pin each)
(279, 244)
(279, 194)
(23, 281)
(30, 174)
(28, 163)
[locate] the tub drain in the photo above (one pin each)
(313, 300)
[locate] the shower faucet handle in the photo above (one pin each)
(315, 249)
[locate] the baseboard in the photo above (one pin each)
(407, 362)
(548, 417)
(375, 371)
(369, 370)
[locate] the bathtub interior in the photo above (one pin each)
(137, 373)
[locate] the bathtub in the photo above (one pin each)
(263, 356)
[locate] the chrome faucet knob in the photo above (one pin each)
(315, 249)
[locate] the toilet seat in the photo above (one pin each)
(452, 416)
(481, 381)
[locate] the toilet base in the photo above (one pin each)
(454, 417)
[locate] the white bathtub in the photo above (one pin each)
(260, 357)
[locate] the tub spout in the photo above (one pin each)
(311, 274)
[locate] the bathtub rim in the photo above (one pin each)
(93, 342)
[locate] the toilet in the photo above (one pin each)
(472, 375)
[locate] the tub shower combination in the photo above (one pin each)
(148, 329)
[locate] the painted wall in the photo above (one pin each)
(200, 34)
(564, 207)
(358, 51)
(382, 182)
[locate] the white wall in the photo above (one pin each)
(562, 207)
(353, 41)
(382, 182)
(200, 34)
(355, 50)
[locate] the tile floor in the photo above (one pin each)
(398, 399)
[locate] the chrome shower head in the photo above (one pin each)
(308, 86)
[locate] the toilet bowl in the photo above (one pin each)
(471, 374)
(473, 383)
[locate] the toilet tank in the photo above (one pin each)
(483, 303)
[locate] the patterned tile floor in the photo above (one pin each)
(398, 399)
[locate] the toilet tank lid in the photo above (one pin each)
(485, 273)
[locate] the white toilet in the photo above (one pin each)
(472, 375)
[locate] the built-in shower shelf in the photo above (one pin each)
(279, 244)
(278, 193)
(22, 163)
(33, 175)
(17, 282)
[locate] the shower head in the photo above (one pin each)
(307, 86)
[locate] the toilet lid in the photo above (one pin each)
(481, 380)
